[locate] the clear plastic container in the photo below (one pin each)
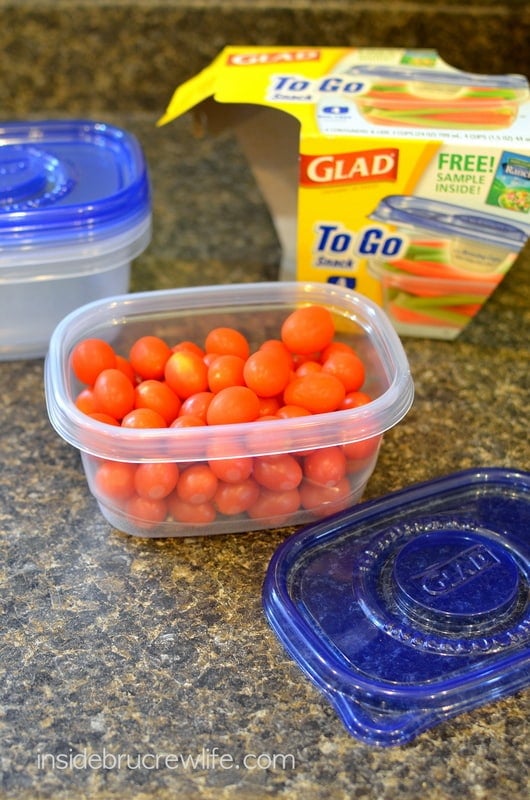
(75, 210)
(257, 310)
(414, 607)
(453, 261)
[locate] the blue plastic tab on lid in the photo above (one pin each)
(410, 609)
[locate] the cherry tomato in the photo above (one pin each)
(143, 418)
(308, 329)
(306, 367)
(197, 404)
(268, 406)
(265, 373)
(86, 402)
(147, 513)
(235, 498)
(232, 405)
(157, 396)
(188, 345)
(335, 347)
(197, 484)
(99, 416)
(190, 513)
(280, 472)
(186, 373)
(115, 480)
(225, 370)
(326, 466)
(156, 480)
(232, 470)
(365, 448)
(347, 367)
(126, 367)
(114, 393)
(355, 400)
(290, 411)
(318, 392)
(224, 339)
(148, 356)
(277, 347)
(90, 357)
(275, 506)
(187, 421)
(323, 500)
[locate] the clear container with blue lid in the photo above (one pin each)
(411, 96)
(451, 261)
(75, 210)
(408, 610)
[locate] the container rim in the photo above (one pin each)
(261, 437)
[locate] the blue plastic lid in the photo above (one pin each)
(450, 220)
(410, 609)
(66, 181)
(447, 77)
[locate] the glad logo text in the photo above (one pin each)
(271, 57)
(358, 167)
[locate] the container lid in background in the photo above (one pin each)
(450, 220)
(68, 184)
(410, 609)
(447, 77)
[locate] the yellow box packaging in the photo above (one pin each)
(385, 170)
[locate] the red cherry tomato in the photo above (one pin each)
(227, 340)
(86, 402)
(355, 400)
(266, 373)
(347, 367)
(143, 418)
(225, 370)
(308, 329)
(365, 448)
(326, 466)
(186, 373)
(190, 513)
(275, 506)
(114, 480)
(235, 498)
(114, 393)
(197, 484)
(148, 356)
(90, 357)
(197, 404)
(126, 367)
(324, 500)
(99, 416)
(318, 392)
(157, 396)
(232, 405)
(156, 480)
(146, 512)
(187, 421)
(280, 472)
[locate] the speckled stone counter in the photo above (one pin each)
(120, 658)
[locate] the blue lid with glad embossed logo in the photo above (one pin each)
(410, 609)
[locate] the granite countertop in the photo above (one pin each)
(136, 648)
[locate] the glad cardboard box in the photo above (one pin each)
(385, 170)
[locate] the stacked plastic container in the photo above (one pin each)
(75, 210)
